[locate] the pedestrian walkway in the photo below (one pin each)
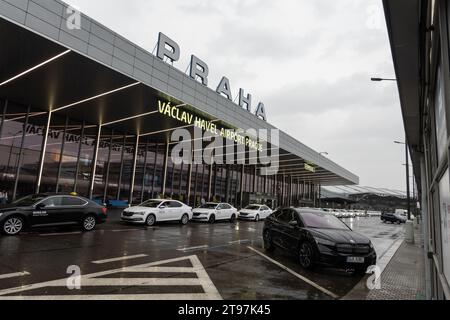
(402, 279)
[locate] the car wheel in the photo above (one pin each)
(233, 218)
(212, 219)
(151, 220)
(13, 226)
(89, 223)
(184, 219)
(306, 256)
(257, 218)
(268, 243)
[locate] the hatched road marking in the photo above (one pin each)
(100, 279)
(315, 285)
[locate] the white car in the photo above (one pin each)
(255, 212)
(157, 210)
(212, 212)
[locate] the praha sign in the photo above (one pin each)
(199, 71)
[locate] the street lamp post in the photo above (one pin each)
(407, 178)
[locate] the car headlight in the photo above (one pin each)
(325, 242)
(1, 213)
(139, 213)
(371, 245)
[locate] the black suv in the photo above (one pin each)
(318, 238)
(392, 218)
(43, 210)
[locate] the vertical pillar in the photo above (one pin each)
(255, 180)
(121, 166)
(133, 172)
(94, 162)
(144, 172)
(154, 170)
(210, 182)
(166, 161)
(242, 186)
(189, 183)
(108, 167)
(77, 170)
(19, 160)
(5, 109)
(61, 155)
(43, 151)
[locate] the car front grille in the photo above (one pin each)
(353, 248)
(128, 214)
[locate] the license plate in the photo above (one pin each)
(355, 259)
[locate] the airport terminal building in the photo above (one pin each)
(420, 41)
(83, 109)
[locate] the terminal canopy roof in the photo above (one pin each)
(97, 76)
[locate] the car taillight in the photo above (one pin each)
(104, 210)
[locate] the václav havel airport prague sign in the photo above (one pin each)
(167, 48)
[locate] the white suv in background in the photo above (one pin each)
(153, 211)
(212, 212)
(255, 212)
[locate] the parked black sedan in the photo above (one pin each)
(43, 210)
(392, 218)
(318, 238)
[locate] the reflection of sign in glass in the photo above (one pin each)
(310, 168)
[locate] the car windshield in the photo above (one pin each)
(252, 207)
(150, 204)
(209, 206)
(322, 220)
(28, 201)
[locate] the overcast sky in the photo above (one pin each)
(310, 62)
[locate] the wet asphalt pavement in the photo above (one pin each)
(170, 261)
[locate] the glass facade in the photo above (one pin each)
(68, 165)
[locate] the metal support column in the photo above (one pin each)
(166, 161)
(108, 167)
(19, 156)
(77, 170)
(133, 171)
(122, 156)
(94, 162)
(189, 183)
(144, 172)
(210, 181)
(5, 109)
(43, 151)
(241, 196)
(61, 154)
(154, 170)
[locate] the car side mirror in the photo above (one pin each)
(162, 207)
(293, 223)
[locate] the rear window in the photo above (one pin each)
(322, 220)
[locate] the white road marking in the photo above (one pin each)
(14, 275)
(239, 241)
(58, 234)
(194, 248)
(203, 279)
(315, 285)
(125, 230)
(120, 259)
(117, 297)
